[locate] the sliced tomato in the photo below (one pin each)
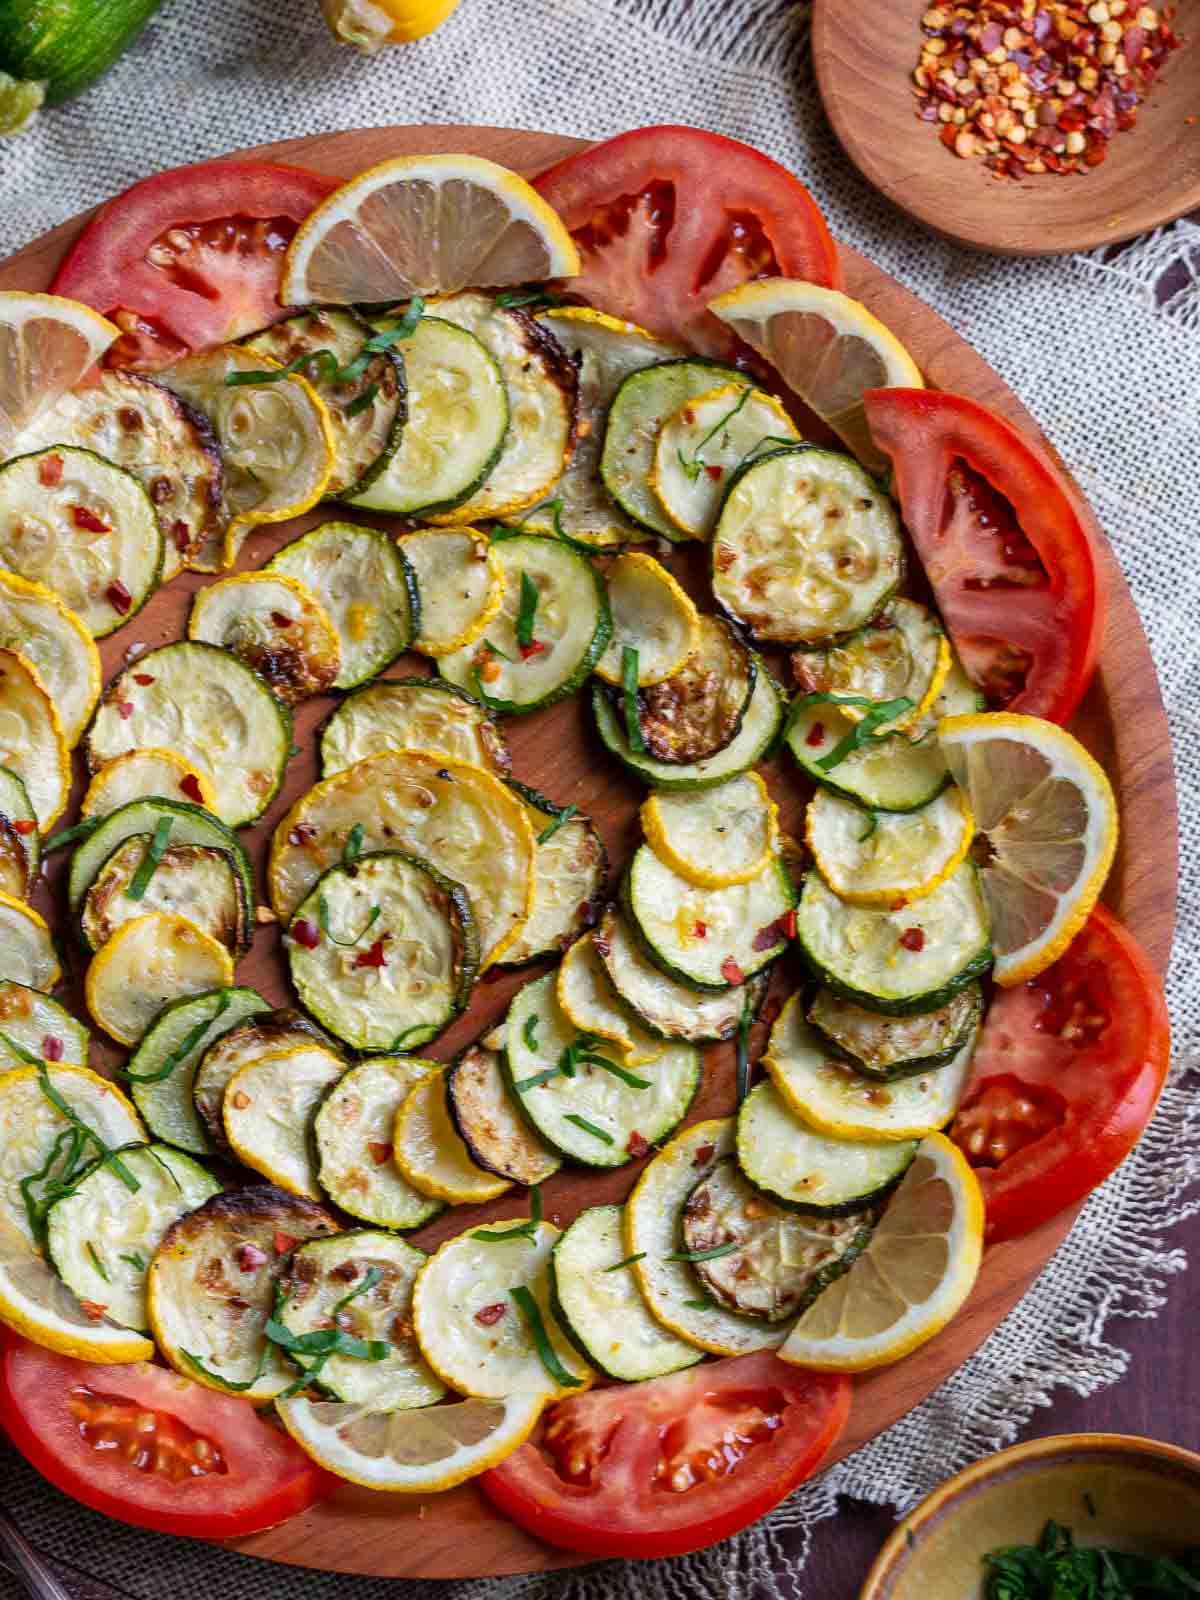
(672, 1465)
(1004, 545)
(146, 1446)
(668, 218)
(190, 257)
(1065, 1077)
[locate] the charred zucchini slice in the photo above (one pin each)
(83, 527)
(704, 442)
(652, 615)
(362, 1282)
(697, 712)
(213, 709)
(884, 1047)
(142, 775)
(34, 621)
(32, 745)
(599, 1306)
(571, 877)
(497, 1137)
(16, 876)
(101, 1237)
(886, 858)
(430, 1153)
(36, 1023)
(895, 774)
(758, 1259)
(189, 825)
(27, 952)
(193, 880)
(274, 624)
(460, 582)
(714, 837)
(16, 808)
(384, 951)
(353, 1131)
(412, 714)
(268, 1107)
(807, 547)
(366, 413)
(261, 1033)
(212, 1285)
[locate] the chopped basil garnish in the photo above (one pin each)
(699, 1305)
(352, 848)
(862, 733)
(529, 1031)
(715, 1254)
(97, 1263)
(371, 1277)
(361, 401)
(183, 1049)
(134, 1260)
(743, 1048)
(527, 611)
(639, 1255)
(560, 821)
(630, 1078)
(532, 1316)
(872, 825)
(630, 669)
(148, 865)
(532, 297)
(522, 1230)
(81, 830)
(322, 366)
(346, 944)
(695, 466)
(589, 1127)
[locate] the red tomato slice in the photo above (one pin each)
(208, 1465)
(672, 1465)
(1065, 1077)
(190, 257)
(1006, 550)
(668, 218)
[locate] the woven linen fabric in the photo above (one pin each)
(1106, 360)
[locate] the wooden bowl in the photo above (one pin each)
(864, 52)
(1108, 1488)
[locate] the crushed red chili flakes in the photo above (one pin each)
(374, 957)
(488, 1316)
(22, 826)
(913, 939)
(190, 785)
(52, 1048)
(50, 471)
(1033, 86)
(88, 520)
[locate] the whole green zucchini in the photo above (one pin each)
(65, 44)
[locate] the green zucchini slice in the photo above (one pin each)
(599, 1306)
(366, 413)
(101, 1238)
(274, 624)
(457, 420)
(174, 1047)
(189, 825)
(37, 1023)
(268, 1109)
(367, 588)
(888, 857)
(483, 1112)
(551, 629)
(210, 708)
(914, 958)
(760, 724)
(35, 622)
(807, 547)
(412, 714)
(639, 408)
(895, 774)
(809, 1172)
(84, 528)
(16, 877)
(706, 440)
(884, 1047)
(707, 939)
(460, 583)
(696, 712)
(361, 1282)
(196, 881)
(570, 879)
(353, 1130)
(261, 1033)
(903, 654)
(384, 951)
(758, 1259)
(15, 807)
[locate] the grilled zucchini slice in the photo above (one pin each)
(588, 1000)
(362, 1282)
(192, 880)
(212, 1286)
(469, 1346)
(16, 877)
(694, 714)
(366, 413)
(83, 527)
(32, 745)
(353, 1131)
(366, 586)
(879, 860)
(714, 837)
(384, 951)
(147, 964)
(142, 774)
(212, 709)
(757, 1259)
(189, 825)
(806, 1171)
(894, 1047)
(27, 952)
(707, 939)
(807, 547)
(457, 420)
(429, 1151)
(542, 391)
(460, 819)
(915, 958)
(551, 629)
(460, 582)
(262, 1032)
(497, 1138)
(903, 654)
(268, 1107)
(706, 440)
(599, 1306)
(37, 1023)
(16, 808)
(650, 614)
(34, 621)
(274, 624)
(163, 1068)
(101, 1238)
(571, 877)
(760, 723)
(412, 714)
(895, 774)
(638, 410)
(653, 1232)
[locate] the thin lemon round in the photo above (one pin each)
(148, 963)
(425, 225)
(714, 837)
(827, 347)
(47, 343)
(881, 858)
(1049, 816)
(27, 953)
(915, 1274)
(137, 774)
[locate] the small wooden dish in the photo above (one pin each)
(1108, 1488)
(865, 51)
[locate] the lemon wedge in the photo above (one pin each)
(47, 343)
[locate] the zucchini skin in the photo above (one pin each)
(68, 43)
(900, 1069)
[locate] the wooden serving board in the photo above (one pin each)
(457, 1534)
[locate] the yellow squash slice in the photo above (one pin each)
(881, 858)
(268, 1108)
(431, 1155)
(650, 614)
(32, 743)
(589, 1002)
(139, 774)
(704, 442)
(276, 625)
(460, 582)
(147, 964)
(714, 837)
(34, 621)
(27, 953)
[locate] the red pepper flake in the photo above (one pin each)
(306, 933)
(23, 826)
(704, 1155)
(284, 1242)
(913, 938)
(788, 922)
(380, 1151)
(281, 620)
(119, 598)
(815, 735)
(250, 1256)
(534, 648)
(144, 678)
(50, 471)
(731, 972)
(302, 833)
(124, 710)
(92, 1309)
(715, 473)
(88, 520)
(181, 534)
(52, 1048)
(190, 786)
(636, 1145)
(700, 930)
(488, 1316)
(374, 957)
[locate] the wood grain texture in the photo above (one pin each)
(865, 51)
(1122, 721)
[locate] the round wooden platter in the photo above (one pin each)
(457, 1534)
(864, 52)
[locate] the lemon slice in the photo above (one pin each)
(415, 1451)
(1049, 817)
(915, 1274)
(47, 343)
(424, 225)
(138, 774)
(825, 346)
